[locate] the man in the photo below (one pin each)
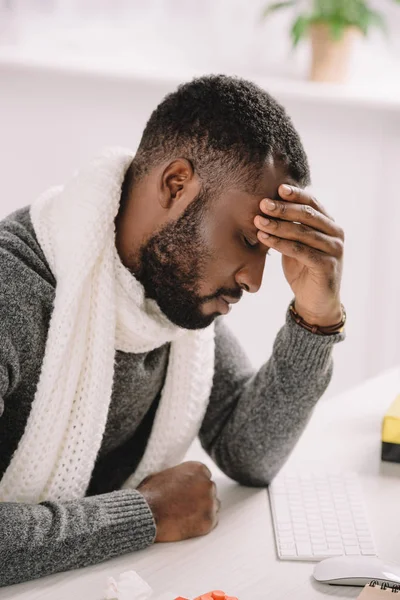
(112, 353)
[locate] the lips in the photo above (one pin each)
(230, 300)
(223, 306)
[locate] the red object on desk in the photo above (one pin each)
(214, 595)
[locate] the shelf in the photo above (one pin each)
(380, 95)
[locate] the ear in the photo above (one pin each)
(178, 183)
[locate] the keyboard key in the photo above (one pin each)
(349, 538)
(368, 549)
(316, 528)
(300, 526)
(286, 537)
(284, 527)
(289, 546)
(288, 553)
(319, 548)
(352, 550)
(299, 521)
(303, 548)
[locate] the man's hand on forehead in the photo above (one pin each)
(311, 244)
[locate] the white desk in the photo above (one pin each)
(239, 556)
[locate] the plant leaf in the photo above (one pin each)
(299, 29)
(337, 28)
(275, 6)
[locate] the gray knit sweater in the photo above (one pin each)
(252, 422)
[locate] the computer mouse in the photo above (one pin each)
(356, 570)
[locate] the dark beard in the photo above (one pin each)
(172, 264)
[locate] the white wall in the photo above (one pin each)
(53, 122)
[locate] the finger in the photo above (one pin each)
(200, 468)
(207, 472)
(215, 519)
(300, 213)
(292, 193)
(213, 489)
(311, 257)
(302, 233)
(145, 480)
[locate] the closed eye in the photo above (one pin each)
(249, 243)
(255, 244)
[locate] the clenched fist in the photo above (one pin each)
(183, 501)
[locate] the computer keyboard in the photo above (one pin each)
(318, 515)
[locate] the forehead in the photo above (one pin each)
(272, 176)
(243, 206)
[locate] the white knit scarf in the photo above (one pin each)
(99, 307)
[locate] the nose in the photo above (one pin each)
(249, 277)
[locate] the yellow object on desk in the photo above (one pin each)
(391, 433)
(375, 591)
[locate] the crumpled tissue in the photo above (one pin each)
(130, 586)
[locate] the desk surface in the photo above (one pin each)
(239, 556)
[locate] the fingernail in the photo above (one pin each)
(264, 221)
(287, 189)
(270, 204)
(264, 235)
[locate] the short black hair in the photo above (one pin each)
(227, 128)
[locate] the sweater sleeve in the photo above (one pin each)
(41, 539)
(254, 419)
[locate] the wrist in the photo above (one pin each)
(313, 325)
(327, 318)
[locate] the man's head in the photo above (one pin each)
(209, 153)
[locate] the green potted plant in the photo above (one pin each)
(332, 26)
